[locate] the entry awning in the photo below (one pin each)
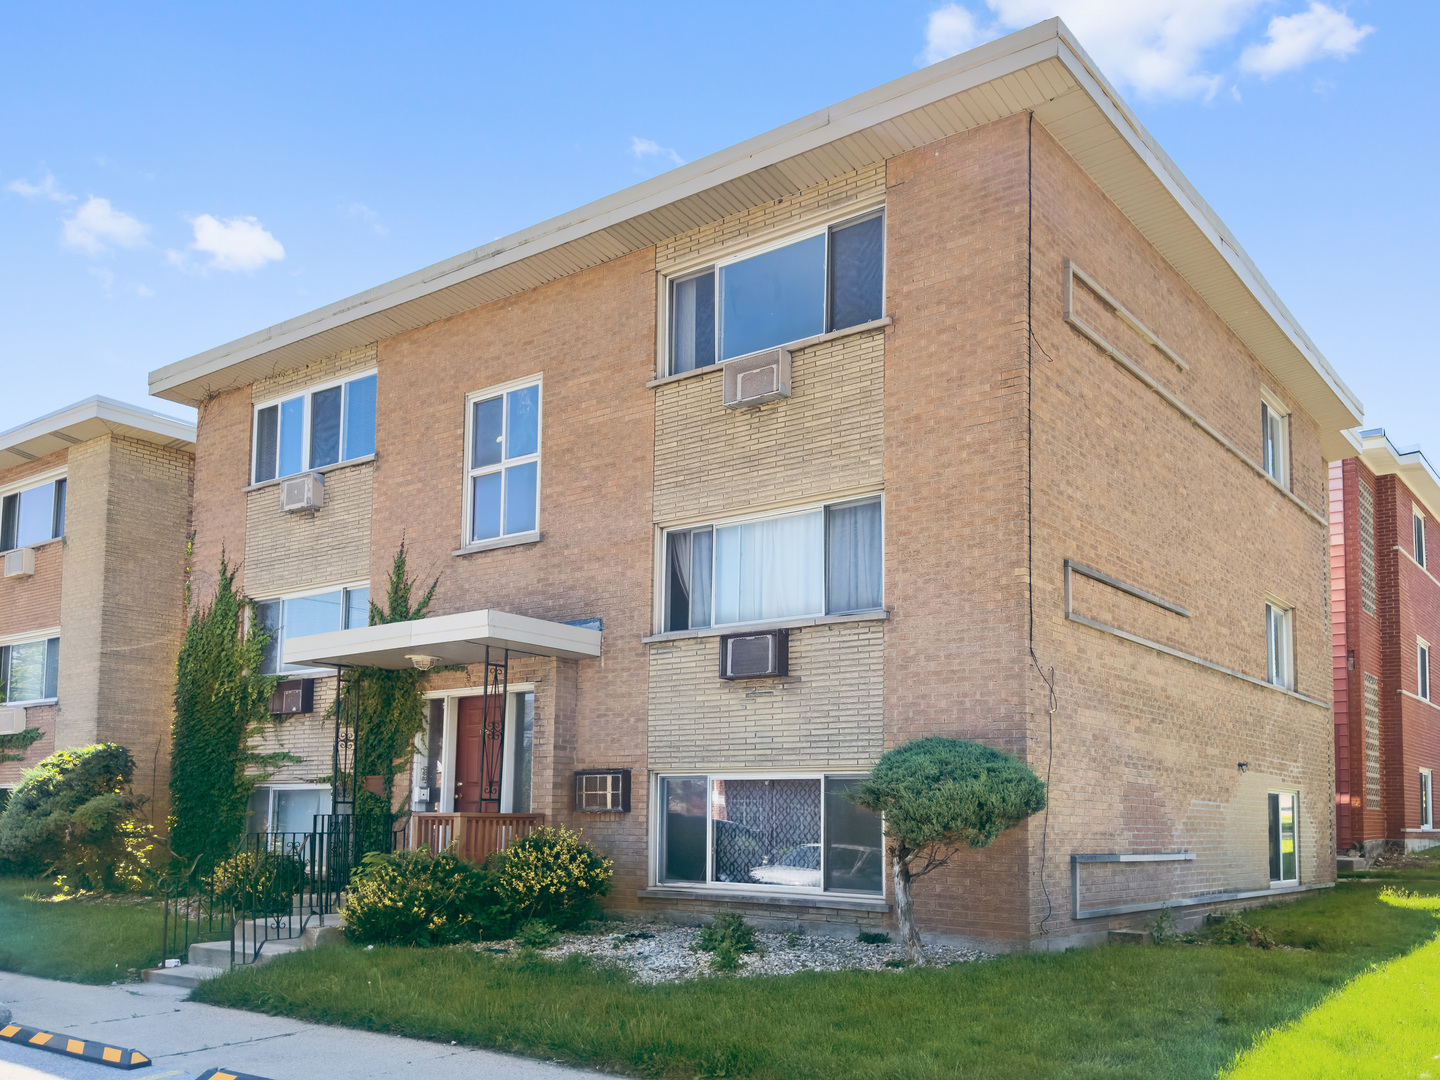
(444, 640)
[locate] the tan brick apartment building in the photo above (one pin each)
(94, 516)
(1385, 607)
(1042, 462)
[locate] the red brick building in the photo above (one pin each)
(1385, 609)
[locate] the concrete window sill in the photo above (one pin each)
(500, 542)
(794, 346)
(366, 460)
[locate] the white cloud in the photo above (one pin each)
(47, 188)
(97, 225)
(950, 30)
(361, 212)
(240, 243)
(643, 148)
(1296, 40)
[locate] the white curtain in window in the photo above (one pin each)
(853, 536)
(771, 569)
(684, 317)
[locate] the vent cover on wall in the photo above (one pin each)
(20, 562)
(305, 492)
(763, 655)
(756, 379)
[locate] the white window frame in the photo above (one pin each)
(307, 393)
(272, 788)
(27, 638)
(1427, 800)
(449, 726)
(847, 216)
(662, 569)
(467, 541)
(1418, 537)
(310, 672)
(1279, 471)
(1422, 669)
(1282, 881)
(657, 842)
(36, 480)
(1280, 659)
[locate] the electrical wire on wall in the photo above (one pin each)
(1030, 344)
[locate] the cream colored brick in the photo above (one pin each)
(288, 552)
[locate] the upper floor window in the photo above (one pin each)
(824, 561)
(1279, 647)
(311, 613)
(503, 492)
(827, 280)
(323, 426)
(1422, 664)
(30, 671)
(32, 515)
(1419, 538)
(1275, 441)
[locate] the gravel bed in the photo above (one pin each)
(661, 952)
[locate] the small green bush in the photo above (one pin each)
(873, 937)
(260, 882)
(727, 936)
(419, 898)
(537, 933)
(551, 875)
(73, 817)
(1233, 930)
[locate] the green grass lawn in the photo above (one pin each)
(1116, 1012)
(82, 940)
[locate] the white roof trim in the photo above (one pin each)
(450, 639)
(1384, 458)
(90, 419)
(885, 117)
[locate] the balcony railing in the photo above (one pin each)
(476, 836)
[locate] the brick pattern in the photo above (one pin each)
(330, 368)
(1372, 741)
(288, 552)
(1367, 548)
(829, 713)
(222, 472)
(827, 437)
(42, 717)
(33, 603)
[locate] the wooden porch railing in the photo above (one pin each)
(476, 836)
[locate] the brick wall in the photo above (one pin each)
(313, 548)
(33, 603)
(222, 471)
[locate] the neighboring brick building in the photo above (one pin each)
(1042, 462)
(1385, 613)
(94, 520)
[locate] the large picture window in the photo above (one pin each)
(783, 832)
(30, 671)
(323, 426)
(822, 561)
(828, 280)
(311, 613)
(503, 493)
(32, 515)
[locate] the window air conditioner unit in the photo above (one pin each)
(20, 562)
(757, 378)
(763, 655)
(12, 721)
(305, 492)
(602, 791)
(293, 697)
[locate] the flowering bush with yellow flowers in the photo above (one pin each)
(550, 875)
(417, 898)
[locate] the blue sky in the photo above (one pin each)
(172, 177)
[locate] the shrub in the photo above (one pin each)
(873, 937)
(551, 875)
(1233, 930)
(74, 817)
(727, 936)
(417, 898)
(260, 882)
(537, 933)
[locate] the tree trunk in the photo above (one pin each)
(905, 909)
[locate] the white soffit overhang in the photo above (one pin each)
(1384, 458)
(1041, 68)
(90, 419)
(449, 639)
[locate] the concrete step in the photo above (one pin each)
(189, 975)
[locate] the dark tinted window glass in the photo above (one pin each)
(854, 844)
(857, 273)
(325, 427)
(267, 432)
(1274, 837)
(487, 431)
(684, 844)
(59, 529)
(9, 511)
(360, 417)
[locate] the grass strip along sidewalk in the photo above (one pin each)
(79, 939)
(1178, 1010)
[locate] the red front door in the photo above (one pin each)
(479, 736)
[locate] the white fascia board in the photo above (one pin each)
(89, 419)
(1384, 458)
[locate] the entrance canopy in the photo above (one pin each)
(443, 641)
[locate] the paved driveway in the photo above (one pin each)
(185, 1039)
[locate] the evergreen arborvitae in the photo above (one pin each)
(221, 708)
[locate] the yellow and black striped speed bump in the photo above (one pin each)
(117, 1057)
(226, 1074)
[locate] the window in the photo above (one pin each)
(813, 562)
(1419, 538)
(517, 780)
(323, 426)
(1284, 865)
(33, 515)
(828, 280)
(1275, 441)
(791, 832)
(316, 613)
(30, 671)
(503, 497)
(602, 791)
(1279, 652)
(1422, 669)
(287, 808)
(1427, 811)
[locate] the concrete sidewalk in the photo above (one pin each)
(185, 1039)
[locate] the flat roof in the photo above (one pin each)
(90, 419)
(1041, 69)
(1383, 458)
